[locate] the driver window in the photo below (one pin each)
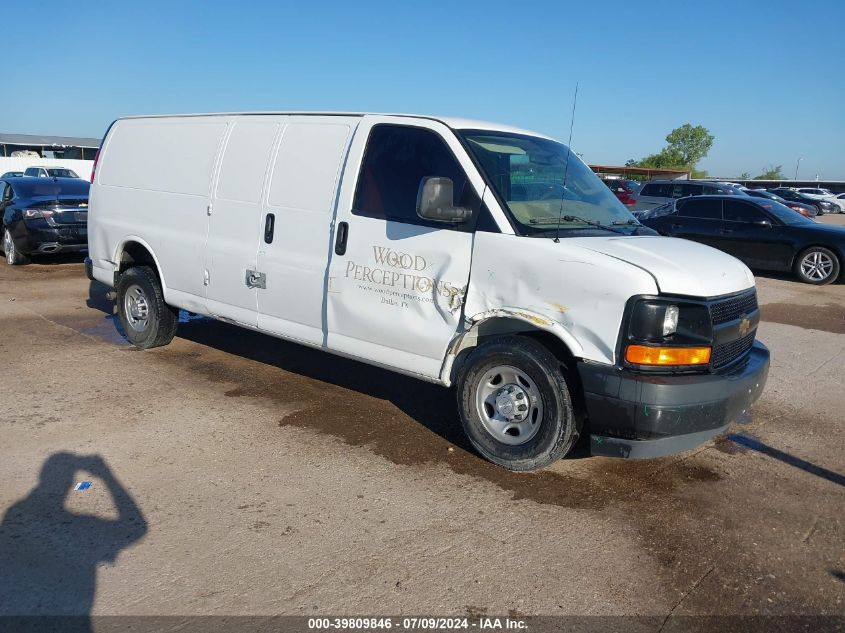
(741, 212)
(396, 161)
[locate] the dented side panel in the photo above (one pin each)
(575, 293)
(394, 294)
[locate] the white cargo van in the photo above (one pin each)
(459, 252)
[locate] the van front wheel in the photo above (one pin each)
(146, 319)
(515, 405)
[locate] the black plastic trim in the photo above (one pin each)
(636, 407)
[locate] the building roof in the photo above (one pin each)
(48, 141)
(649, 172)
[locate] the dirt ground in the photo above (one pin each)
(233, 473)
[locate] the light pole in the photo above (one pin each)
(796, 168)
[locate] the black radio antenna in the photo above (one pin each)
(566, 168)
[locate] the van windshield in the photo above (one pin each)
(545, 186)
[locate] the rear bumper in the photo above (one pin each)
(638, 415)
(38, 239)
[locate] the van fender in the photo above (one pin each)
(121, 248)
(534, 320)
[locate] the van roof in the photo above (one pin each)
(456, 123)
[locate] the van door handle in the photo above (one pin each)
(340, 241)
(255, 279)
(677, 226)
(269, 227)
(727, 231)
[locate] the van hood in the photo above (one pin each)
(678, 266)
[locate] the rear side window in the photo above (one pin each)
(395, 162)
(683, 190)
(701, 208)
(656, 190)
(737, 211)
(710, 190)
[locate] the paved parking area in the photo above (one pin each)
(236, 474)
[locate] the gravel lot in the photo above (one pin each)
(254, 476)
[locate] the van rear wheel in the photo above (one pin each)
(515, 405)
(146, 319)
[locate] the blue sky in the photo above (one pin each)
(767, 78)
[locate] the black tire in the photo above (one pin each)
(825, 255)
(557, 427)
(13, 256)
(153, 323)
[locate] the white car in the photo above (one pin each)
(458, 252)
(824, 194)
(840, 200)
(815, 193)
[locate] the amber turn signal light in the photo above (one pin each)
(644, 355)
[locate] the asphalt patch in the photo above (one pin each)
(827, 317)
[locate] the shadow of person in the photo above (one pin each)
(49, 556)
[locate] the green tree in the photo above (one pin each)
(686, 146)
(745, 176)
(691, 143)
(667, 158)
(772, 172)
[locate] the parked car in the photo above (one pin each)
(11, 174)
(43, 216)
(822, 206)
(380, 219)
(840, 200)
(50, 172)
(762, 233)
(658, 192)
(807, 210)
(735, 185)
(817, 193)
(623, 190)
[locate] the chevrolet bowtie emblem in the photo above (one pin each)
(744, 326)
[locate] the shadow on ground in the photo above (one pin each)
(430, 405)
(49, 556)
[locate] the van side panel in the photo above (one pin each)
(301, 196)
(235, 225)
(154, 181)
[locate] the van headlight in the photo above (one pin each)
(670, 320)
(664, 333)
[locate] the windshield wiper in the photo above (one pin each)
(575, 218)
(626, 223)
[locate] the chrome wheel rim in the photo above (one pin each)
(509, 405)
(817, 266)
(136, 308)
(8, 247)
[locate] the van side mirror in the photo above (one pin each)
(436, 201)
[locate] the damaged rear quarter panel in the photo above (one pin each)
(576, 293)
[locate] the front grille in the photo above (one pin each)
(733, 308)
(728, 352)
